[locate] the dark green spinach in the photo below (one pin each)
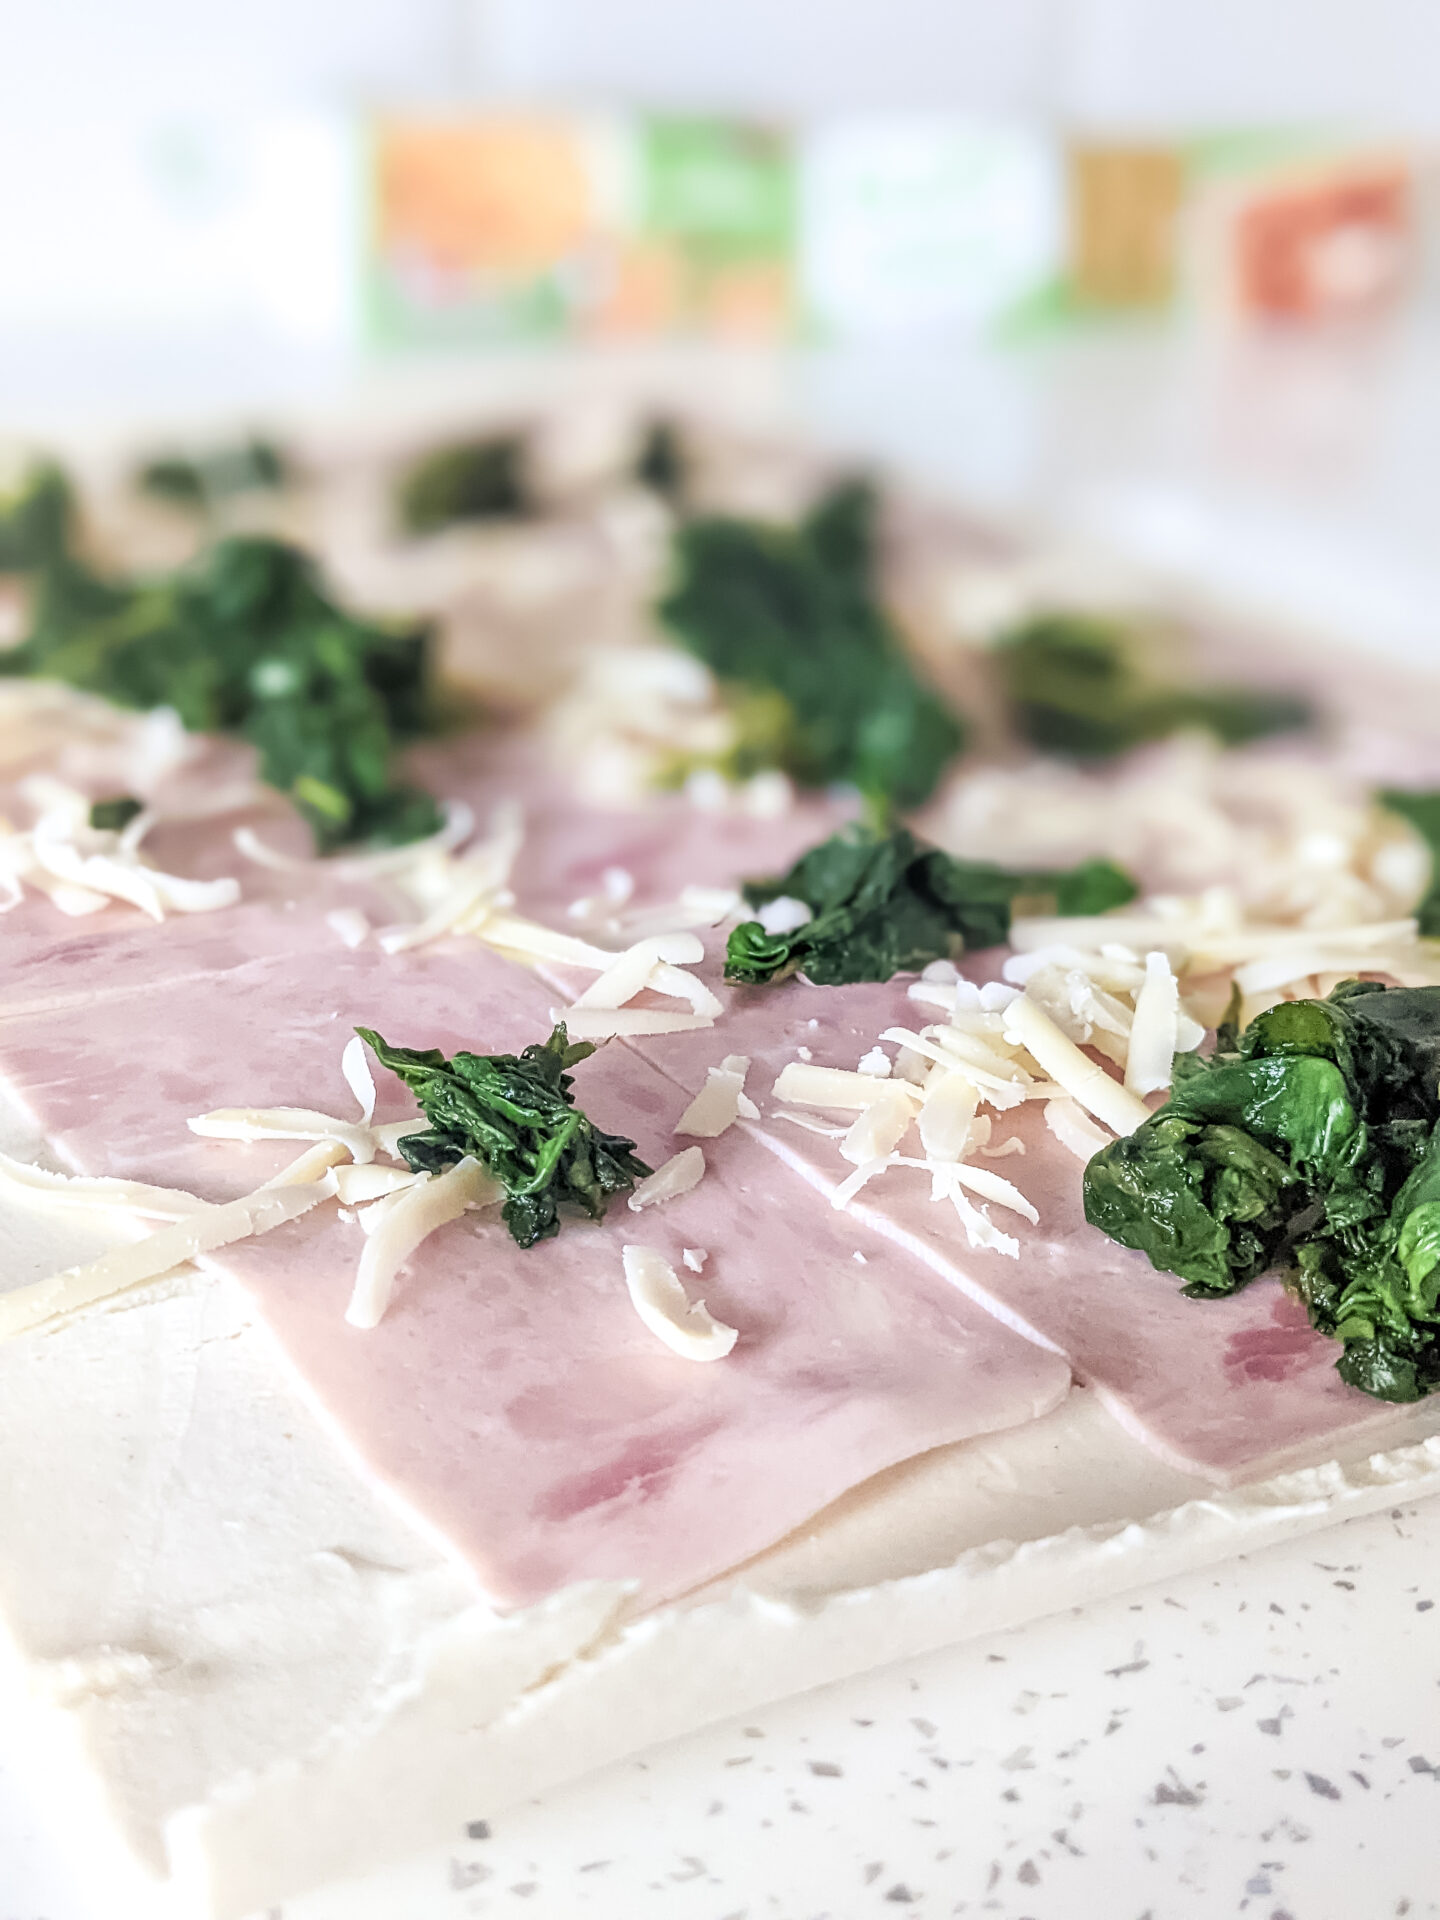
(1075, 687)
(663, 464)
(886, 903)
(244, 641)
(516, 1115)
(1308, 1141)
(472, 480)
(788, 620)
(113, 815)
(209, 479)
(1422, 810)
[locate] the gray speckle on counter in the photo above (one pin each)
(1326, 1789)
(1175, 1793)
(468, 1873)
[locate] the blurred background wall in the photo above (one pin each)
(170, 164)
(1163, 267)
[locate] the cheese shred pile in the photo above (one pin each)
(396, 1209)
(994, 1047)
(461, 889)
(83, 869)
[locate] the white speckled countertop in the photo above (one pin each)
(1263, 1739)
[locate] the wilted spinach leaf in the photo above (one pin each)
(471, 480)
(1313, 1144)
(243, 641)
(205, 480)
(788, 621)
(516, 1115)
(1075, 687)
(1422, 810)
(111, 816)
(662, 463)
(886, 903)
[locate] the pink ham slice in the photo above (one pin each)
(1226, 1388)
(513, 1400)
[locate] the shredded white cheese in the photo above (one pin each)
(681, 1173)
(1074, 1128)
(805, 1085)
(720, 1102)
(948, 1116)
(287, 1123)
(46, 1302)
(784, 915)
(355, 1184)
(1155, 1029)
(83, 868)
(355, 1065)
(459, 825)
(1291, 840)
(1029, 1024)
(37, 1186)
(411, 1216)
(629, 1022)
(659, 1298)
(350, 925)
(879, 1128)
(656, 963)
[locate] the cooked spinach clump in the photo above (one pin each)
(244, 641)
(1310, 1142)
(1422, 810)
(885, 903)
(471, 480)
(114, 815)
(516, 1115)
(1075, 687)
(662, 462)
(208, 479)
(789, 622)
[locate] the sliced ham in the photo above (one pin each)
(667, 844)
(1226, 1388)
(514, 1400)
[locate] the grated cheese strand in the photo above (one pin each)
(946, 1117)
(39, 1187)
(980, 1229)
(802, 1085)
(1029, 1024)
(862, 1176)
(45, 1303)
(355, 1185)
(355, 1065)
(657, 1295)
(630, 972)
(879, 1128)
(349, 925)
(411, 1216)
(602, 1023)
(1155, 1030)
(288, 1123)
(681, 1173)
(720, 1102)
(1074, 1129)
